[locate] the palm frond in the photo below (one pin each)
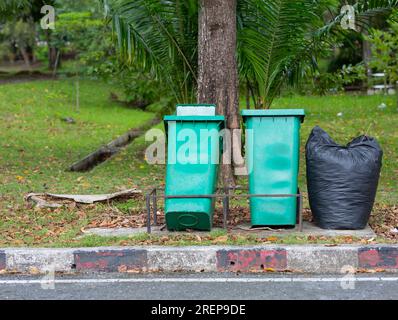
(278, 40)
(271, 36)
(9, 5)
(160, 36)
(364, 9)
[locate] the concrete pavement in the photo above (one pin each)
(315, 259)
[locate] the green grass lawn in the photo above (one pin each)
(38, 147)
(361, 115)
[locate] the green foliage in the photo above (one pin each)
(5, 51)
(159, 37)
(90, 38)
(77, 32)
(278, 40)
(140, 88)
(275, 43)
(385, 50)
(328, 82)
(41, 52)
(65, 6)
(10, 6)
(20, 32)
(281, 40)
(25, 9)
(348, 51)
(18, 35)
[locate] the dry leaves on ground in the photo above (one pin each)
(384, 219)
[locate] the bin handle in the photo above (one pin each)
(195, 219)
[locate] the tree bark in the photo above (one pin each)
(367, 55)
(25, 56)
(396, 92)
(218, 75)
(52, 52)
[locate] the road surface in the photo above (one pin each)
(200, 286)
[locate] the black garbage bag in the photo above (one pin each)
(342, 180)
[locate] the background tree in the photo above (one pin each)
(384, 48)
(277, 43)
(23, 17)
(160, 37)
(20, 38)
(10, 7)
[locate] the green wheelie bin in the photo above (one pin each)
(193, 156)
(272, 159)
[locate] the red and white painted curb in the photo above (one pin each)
(316, 259)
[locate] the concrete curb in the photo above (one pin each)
(316, 259)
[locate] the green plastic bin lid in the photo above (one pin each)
(195, 105)
(274, 113)
(194, 118)
(195, 110)
(166, 119)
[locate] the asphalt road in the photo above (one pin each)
(200, 286)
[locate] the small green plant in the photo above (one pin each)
(140, 88)
(335, 82)
(385, 51)
(19, 37)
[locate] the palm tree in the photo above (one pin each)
(278, 40)
(9, 6)
(161, 37)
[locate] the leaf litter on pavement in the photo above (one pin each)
(23, 224)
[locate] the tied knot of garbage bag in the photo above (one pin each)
(342, 180)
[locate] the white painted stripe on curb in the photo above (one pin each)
(195, 280)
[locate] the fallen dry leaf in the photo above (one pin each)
(33, 270)
(133, 271)
(122, 268)
(220, 239)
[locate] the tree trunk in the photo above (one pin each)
(52, 56)
(25, 56)
(218, 76)
(31, 52)
(52, 52)
(396, 92)
(367, 55)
